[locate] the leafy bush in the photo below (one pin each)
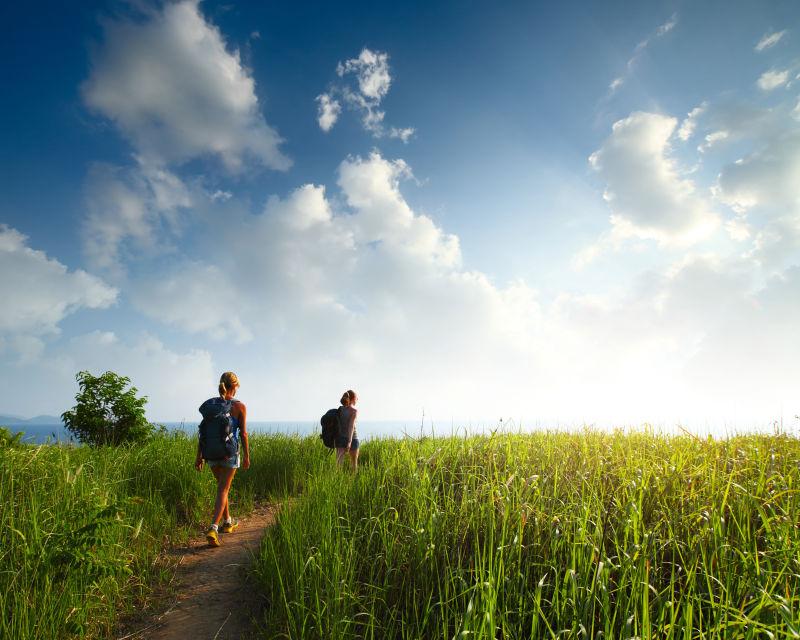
(8, 439)
(106, 413)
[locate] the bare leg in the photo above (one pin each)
(217, 471)
(340, 451)
(224, 477)
(354, 459)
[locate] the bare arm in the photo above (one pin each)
(351, 426)
(243, 431)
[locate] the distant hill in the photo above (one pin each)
(36, 420)
(44, 419)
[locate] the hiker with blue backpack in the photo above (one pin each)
(224, 422)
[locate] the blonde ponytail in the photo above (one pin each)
(227, 381)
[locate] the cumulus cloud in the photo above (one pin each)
(372, 70)
(39, 292)
(645, 189)
(334, 287)
(772, 79)
(207, 303)
(172, 86)
(768, 177)
(130, 210)
(328, 110)
(768, 180)
(359, 286)
(700, 339)
(373, 79)
(769, 40)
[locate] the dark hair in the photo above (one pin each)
(348, 395)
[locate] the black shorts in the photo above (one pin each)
(341, 443)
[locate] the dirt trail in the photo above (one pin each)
(214, 600)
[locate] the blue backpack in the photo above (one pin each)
(217, 438)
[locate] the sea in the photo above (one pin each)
(57, 433)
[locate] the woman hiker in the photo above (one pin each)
(224, 469)
(347, 440)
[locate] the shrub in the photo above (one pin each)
(106, 413)
(8, 439)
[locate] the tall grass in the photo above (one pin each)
(82, 528)
(586, 535)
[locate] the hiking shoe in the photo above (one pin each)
(212, 537)
(230, 527)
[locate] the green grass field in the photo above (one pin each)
(82, 528)
(547, 535)
(589, 535)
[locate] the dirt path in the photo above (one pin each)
(214, 601)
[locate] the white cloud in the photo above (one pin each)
(371, 187)
(769, 40)
(768, 177)
(639, 50)
(39, 292)
(768, 181)
(402, 134)
(738, 229)
(668, 26)
(361, 290)
(172, 86)
(777, 244)
(130, 210)
(372, 70)
(221, 196)
(689, 124)
(644, 188)
(206, 304)
(331, 290)
(372, 73)
(328, 110)
(713, 139)
(772, 79)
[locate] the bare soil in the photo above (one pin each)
(213, 599)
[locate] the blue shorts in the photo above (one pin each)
(341, 443)
(230, 463)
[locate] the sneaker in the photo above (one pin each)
(230, 527)
(212, 537)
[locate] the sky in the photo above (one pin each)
(551, 213)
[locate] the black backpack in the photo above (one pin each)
(217, 441)
(330, 428)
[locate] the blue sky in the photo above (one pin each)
(567, 211)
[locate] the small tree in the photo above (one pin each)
(105, 412)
